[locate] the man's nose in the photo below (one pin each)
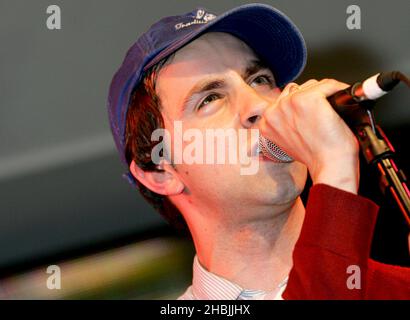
(252, 105)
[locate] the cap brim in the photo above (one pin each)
(272, 35)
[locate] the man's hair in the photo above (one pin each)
(143, 117)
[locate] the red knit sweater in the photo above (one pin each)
(334, 245)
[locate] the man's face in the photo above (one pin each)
(217, 82)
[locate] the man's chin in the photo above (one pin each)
(289, 185)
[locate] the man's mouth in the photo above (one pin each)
(256, 151)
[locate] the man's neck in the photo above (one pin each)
(255, 255)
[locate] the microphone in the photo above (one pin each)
(342, 102)
(272, 151)
(370, 89)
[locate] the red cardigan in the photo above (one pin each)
(337, 233)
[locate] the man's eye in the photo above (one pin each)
(208, 99)
(264, 79)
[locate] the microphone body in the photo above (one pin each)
(344, 102)
(370, 89)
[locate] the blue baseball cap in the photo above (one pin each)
(271, 34)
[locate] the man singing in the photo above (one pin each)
(254, 238)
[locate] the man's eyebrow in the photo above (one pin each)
(253, 67)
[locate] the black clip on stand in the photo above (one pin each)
(378, 151)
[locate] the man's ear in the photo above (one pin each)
(165, 181)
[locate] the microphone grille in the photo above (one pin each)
(272, 151)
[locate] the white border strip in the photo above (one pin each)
(56, 156)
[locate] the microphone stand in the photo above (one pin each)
(379, 152)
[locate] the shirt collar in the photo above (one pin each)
(209, 286)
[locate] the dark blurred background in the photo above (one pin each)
(62, 198)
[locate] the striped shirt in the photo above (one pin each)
(208, 286)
